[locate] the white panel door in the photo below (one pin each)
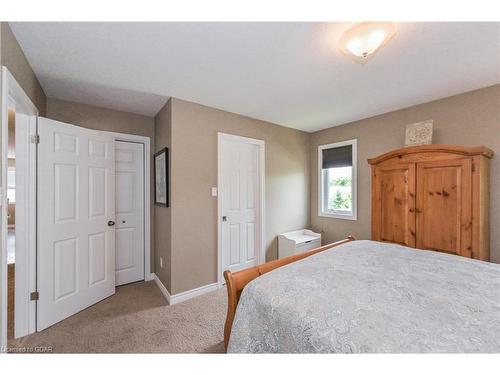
(129, 159)
(76, 213)
(240, 202)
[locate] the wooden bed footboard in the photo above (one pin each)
(235, 282)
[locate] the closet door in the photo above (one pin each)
(444, 206)
(393, 202)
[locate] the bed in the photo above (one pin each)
(365, 297)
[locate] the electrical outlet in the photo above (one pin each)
(161, 262)
(214, 191)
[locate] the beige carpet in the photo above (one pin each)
(138, 320)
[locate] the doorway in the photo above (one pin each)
(21, 177)
(11, 221)
(84, 268)
(18, 211)
(241, 184)
(129, 232)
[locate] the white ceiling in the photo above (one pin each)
(287, 73)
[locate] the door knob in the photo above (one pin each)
(224, 218)
(111, 223)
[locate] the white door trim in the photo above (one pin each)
(25, 229)
(262, 164)
(146, 141)
(12, 91)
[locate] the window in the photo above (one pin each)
(337, 180)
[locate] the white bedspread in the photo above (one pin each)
(367, 296)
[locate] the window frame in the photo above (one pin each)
(354, 184)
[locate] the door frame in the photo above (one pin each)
(146, 141)
(261, 254)
(12, 92)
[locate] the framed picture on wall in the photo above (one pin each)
(419, 133)
(161, 177)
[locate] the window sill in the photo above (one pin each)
(338, 216)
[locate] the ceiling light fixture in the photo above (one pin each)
(364, 39)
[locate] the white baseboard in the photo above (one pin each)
(162, 288)
(184, 296)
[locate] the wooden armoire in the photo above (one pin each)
(433, 197)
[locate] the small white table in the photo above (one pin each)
(297, 241)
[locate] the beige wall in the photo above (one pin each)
(13, 58)
(98, 118)
(92, 117)
(471, 119)
(194, 172)
(163, 215)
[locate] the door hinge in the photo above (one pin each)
(35, 139)
(34, 296)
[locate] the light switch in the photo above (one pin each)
(214, 192)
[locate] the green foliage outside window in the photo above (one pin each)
(342, 199)
(341, 181)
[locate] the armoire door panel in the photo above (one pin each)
(451, 198)
(394, 197)
(444, 206)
